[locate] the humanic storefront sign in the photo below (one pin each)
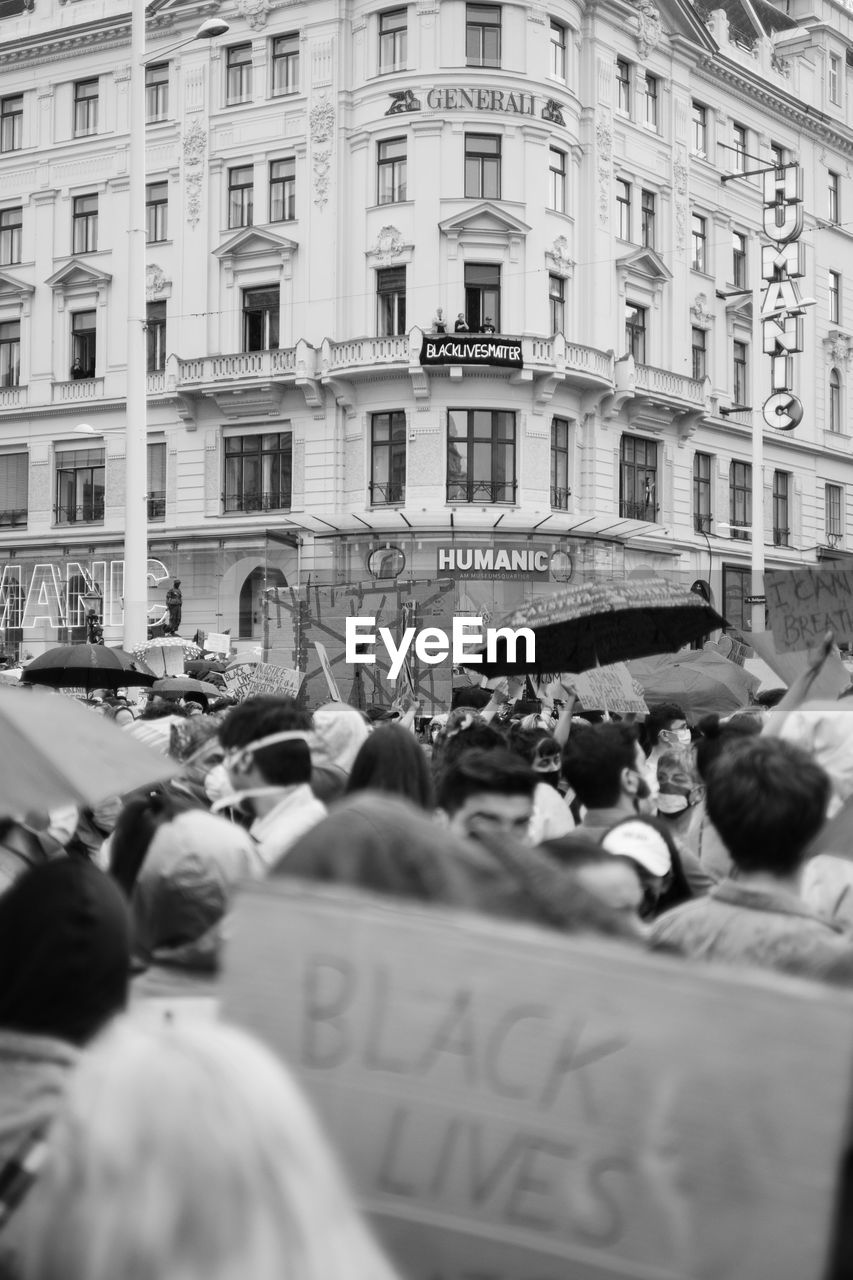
(781, 304)
(496, 561)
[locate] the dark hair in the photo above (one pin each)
(140, 818)
(526, 742)
(391, 760)
(497, 772)
(770, 698)
(281, 763)
(575, 851)
(453, 743)
(594, 759)
(767, 799)
(470, 696)
(716, 738)
(157, 708)
(660, 715)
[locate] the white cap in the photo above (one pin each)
(639, 841)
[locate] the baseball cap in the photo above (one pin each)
(640, 842)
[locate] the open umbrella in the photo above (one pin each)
(593, 624)
(700, 681)
(165, 642)
(56, 751)
(177, 686)
(87, 666)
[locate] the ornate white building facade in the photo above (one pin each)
(319, 181)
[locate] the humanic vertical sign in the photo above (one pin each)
(512, 1103)
(782, 263)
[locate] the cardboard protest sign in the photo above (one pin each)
(238, 678)
(610, 689)
(803, 604)
(513, 1103)
(267, 678)
(165, 659)
(334, 691)
(216, 642)
(830, 680)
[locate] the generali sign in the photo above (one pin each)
(483, 98)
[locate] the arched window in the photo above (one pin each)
(834, 401)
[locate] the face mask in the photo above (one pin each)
(217, 783)
(676, 737)
(670, 803)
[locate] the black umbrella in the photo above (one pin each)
(87, 666)
(593, 624)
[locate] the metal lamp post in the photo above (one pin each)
(136, 469)
(91, 602)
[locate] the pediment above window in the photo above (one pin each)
(644, 264)
(14, 290)
(484, 224)
(255, 248)
(78, 276)
(739, 311)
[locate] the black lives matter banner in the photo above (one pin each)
(476, 349)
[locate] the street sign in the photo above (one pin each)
(755, 599)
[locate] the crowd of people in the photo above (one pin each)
(129, 1147)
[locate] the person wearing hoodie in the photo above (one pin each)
(180, 899)
(339, 734)
(64, 966)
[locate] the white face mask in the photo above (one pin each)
(217, 783)
(676, 737)
(671, 804)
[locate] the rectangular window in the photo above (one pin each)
(393, 30)
(85, 224)
(740, 372)
(700, 129)
(11, 222)
(737, 585)
(85, 108)
(623, 86)
(388, 458)
(482, 166)
(83, 344)
(260, 319)
(390, 301)
(702, 492)
(833, 497)
(638, 473)
(834, 197)
(559, 61)
(480, 455)
(238, 74)
(12, 122)
(10, 353)
(835, 297)
(482, 295)
(781, 516)
(560, 491)
(156, 212)
(79, 486)
(635, 331)
(739, 139)
(285, 65)
(282, 190)
(391, 171)
(834, 401)
(739, 259)
(835, 78)
(652, 101)
(157, 480)
(698, 242)
(155, 336)
(14, 484)
(156, 92)
(557, 303)
(648, 214)
(241, 199)
(623, 209)
(483, 35)
(557, 180)
(258, 472)
(778, 155)
(740, 500)
(699, 349)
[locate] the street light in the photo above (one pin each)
(91, 602)
(136, 469)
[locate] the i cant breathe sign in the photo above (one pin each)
(473, 349)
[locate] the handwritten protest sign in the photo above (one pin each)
(334, 691)
(217, 642)
(803, 604)
(165, 659)
(514, 1103)
(610, 689)
(249, 678)
(830, 680)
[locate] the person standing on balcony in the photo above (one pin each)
(460, 325)
(439, 324)
(174, 603)
(488, 326)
